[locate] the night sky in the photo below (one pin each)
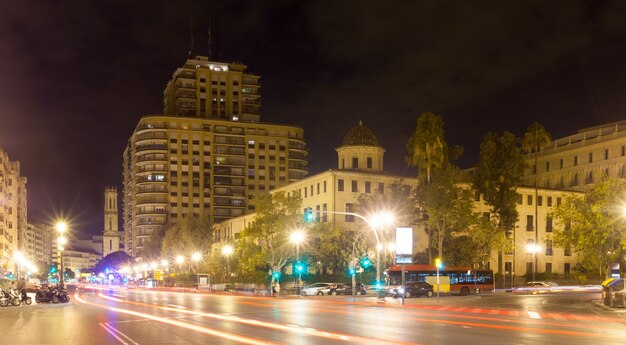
(76, 76)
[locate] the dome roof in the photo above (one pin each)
(360, 136)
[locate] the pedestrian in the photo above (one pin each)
(277, 288)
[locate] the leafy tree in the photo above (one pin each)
(191, 234)
(593, 225)
(265, 244)
(448, 203)
(496, 177)
(536, 138)
(69, 274)
(153, 246)
(113, 262)
(333, 246)
(466, 248)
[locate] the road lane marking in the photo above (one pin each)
(176, 306)
(109, 326)
(280, 327)
(117, 295)
(534, 315)
(113, 334)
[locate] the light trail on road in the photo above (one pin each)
(253, 322)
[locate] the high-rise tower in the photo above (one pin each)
(110, 237)
(213, 90)
(208, 155)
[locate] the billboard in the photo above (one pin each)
(404, 245)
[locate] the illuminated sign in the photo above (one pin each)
(404, 245)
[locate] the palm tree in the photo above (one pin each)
(427, 151)
(536, 138)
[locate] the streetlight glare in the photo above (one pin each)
(382, 218)
(297, 236)
(196, 256)
(62, 240)
(227, 250)
(164, 263)
(61, 226)
(533, 248)
(180, 259)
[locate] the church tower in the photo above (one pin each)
(110, 237)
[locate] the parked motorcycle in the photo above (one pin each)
(14, 297)
(46, 296)
(4, 298)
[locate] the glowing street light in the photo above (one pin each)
(227, 250)
(196, 256)
(61, 227)
(164, 263)
(297, 237)
(180, 260)
(533, 248)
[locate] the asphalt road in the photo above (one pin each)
(131, 317)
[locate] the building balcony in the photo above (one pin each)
(158, 137)
(150, 127)
(151, 158)
(150, 148)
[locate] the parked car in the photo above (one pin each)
(319, 289)
(413, 289)
(346, 289)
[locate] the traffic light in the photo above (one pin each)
(276, 275)
(366, 262)
(352, 271)
(308, 215)
(438, 263)
(299, 267)
(53, 269)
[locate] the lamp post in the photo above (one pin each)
(61, 227)
(297, 237)
(227, 250)
(533, 248)
(379, 219)
(195, 257)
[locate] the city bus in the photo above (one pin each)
(463, 280)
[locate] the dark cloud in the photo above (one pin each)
(77, 75)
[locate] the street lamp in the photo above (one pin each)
(195, 257)
(379, 220)
(61, 228)
(227, 250)
(297, 237)
(533, 248)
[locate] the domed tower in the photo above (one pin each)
(360, 150)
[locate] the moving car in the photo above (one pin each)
(346, 289)
(319, 289)
(412, 289)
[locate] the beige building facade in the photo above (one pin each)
(13, 211)
(578, 161)
(520, 260)
(43, 241)
(331, 193)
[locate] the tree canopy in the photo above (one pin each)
(113, 262)
(593, 224)
(265, 243)
(193, 233)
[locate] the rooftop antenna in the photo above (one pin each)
(191, 32)
(210, 39)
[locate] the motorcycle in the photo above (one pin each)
(4, 299)
(24, 298)
(14, 297)
(46, 295)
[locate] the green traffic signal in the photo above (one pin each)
(366, 262)
(308, 215)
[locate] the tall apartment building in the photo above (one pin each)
(13, 225)
(578, 161)
(208, 155)
(43, 241)
(213, 90)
